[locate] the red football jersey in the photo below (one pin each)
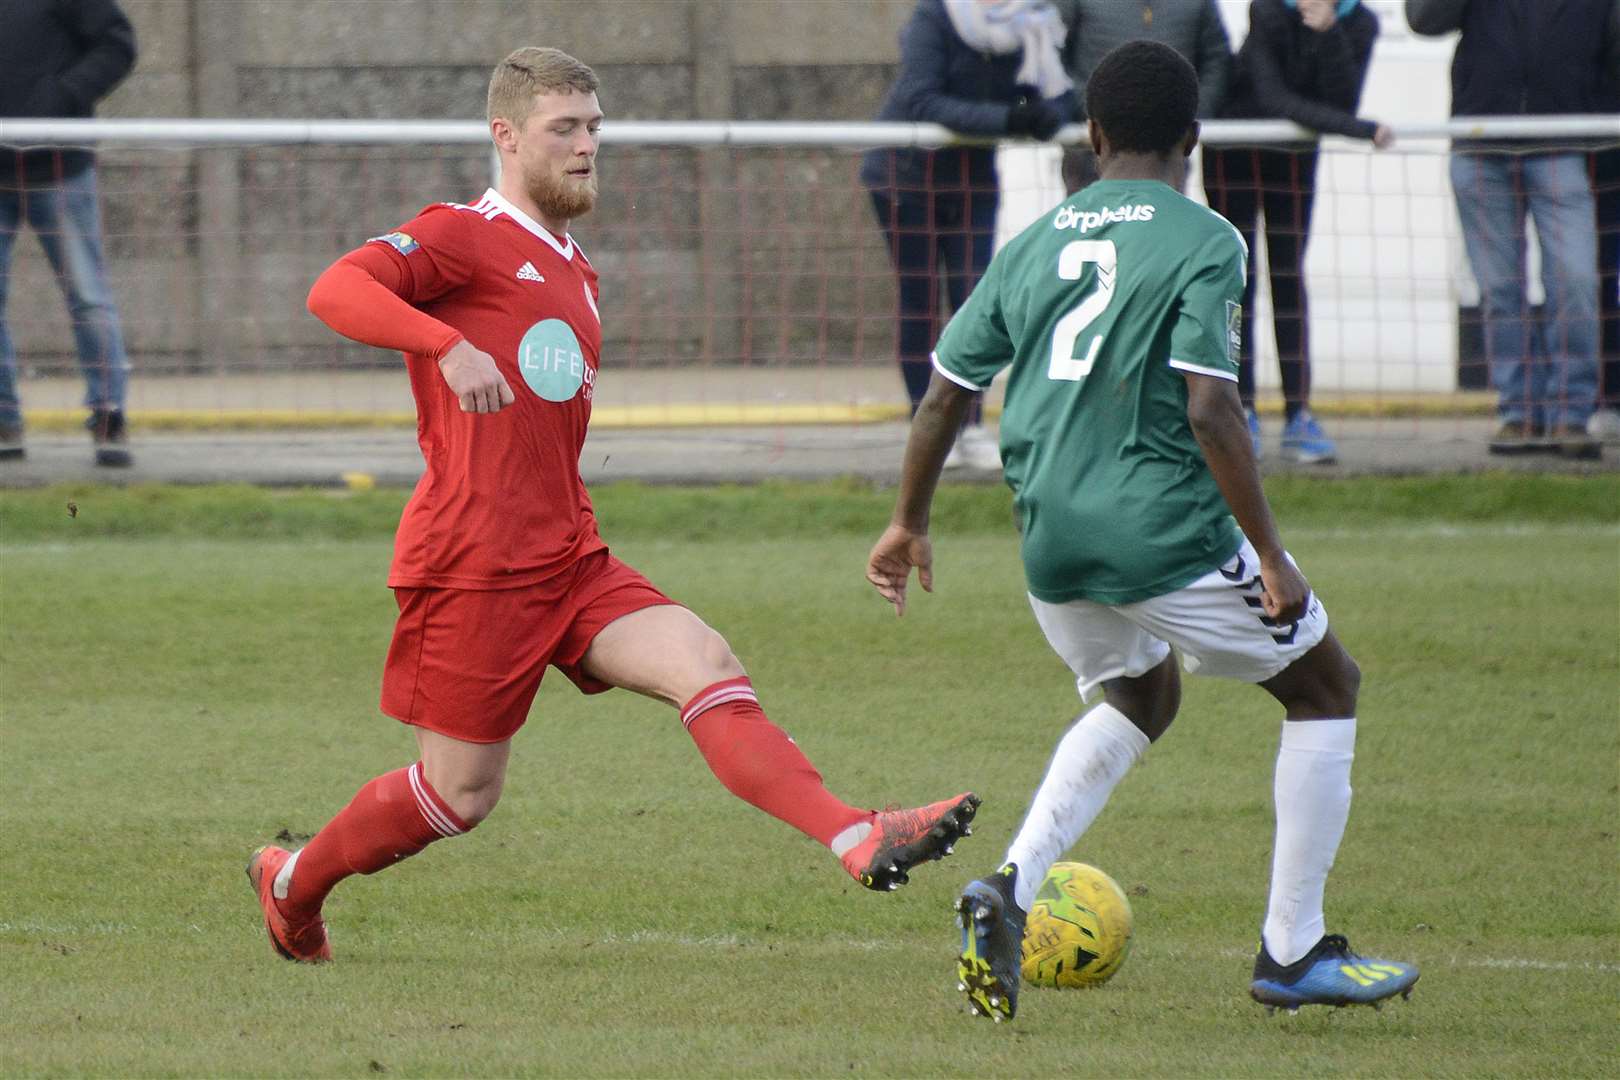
(501, 503)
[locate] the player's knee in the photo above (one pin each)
(1154, 716)
(1160, 714)
(1168, 704)
(472, 797)
(1345, 687)
(1149, 701)
(719, 662)
(475, 804)
(1331, 691)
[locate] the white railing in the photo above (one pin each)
(220, 224)
(210, 132)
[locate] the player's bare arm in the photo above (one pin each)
(1215, 413)
(473, 377)
(905, 544)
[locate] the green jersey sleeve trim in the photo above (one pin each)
(1201, 369)
(953, 376)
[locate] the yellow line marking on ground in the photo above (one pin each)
(695, 414)
(729, 414)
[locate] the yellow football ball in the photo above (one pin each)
(1078, 930)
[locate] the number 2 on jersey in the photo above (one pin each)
(1072, 262)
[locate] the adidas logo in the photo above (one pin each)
(527, 272)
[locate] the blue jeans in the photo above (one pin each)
(67, 219)
(1494, 191)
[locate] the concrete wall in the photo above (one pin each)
(660, 59)
(212, 250)
(730, 256)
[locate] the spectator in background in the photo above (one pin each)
(1096, 27)
(1605, 423)
(1538, 59)
(57, 59)
(980, 67)
(1305, 61)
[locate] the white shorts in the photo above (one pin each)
(1216, 624)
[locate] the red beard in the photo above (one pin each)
(563, 197)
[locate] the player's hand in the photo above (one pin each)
(1025, 111)
(1048, 122)
(1284, 592)
(1318, 15)
(473, 377)
(888, 568)
(1384, 137)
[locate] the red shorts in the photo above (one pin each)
(467, 663)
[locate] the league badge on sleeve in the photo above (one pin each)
(402, 242)
(1234, 330)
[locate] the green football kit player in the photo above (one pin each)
(1144, 525)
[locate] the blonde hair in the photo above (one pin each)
(533, 70)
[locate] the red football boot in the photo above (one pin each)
(900, 839)
(306, 941)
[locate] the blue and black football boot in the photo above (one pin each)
(1330, 974)
(992, 945)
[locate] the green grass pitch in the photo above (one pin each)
(187, 674)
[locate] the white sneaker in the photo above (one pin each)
(1604, 424)
(978, 449)
(956, 459)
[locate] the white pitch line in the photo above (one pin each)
(1411, 530)
(710, 941)
(1451, 530)
(1538, 965)
(1507, 962)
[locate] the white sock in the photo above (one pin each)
(850, 838)
(1312, 793)
(1090, 759)
(283, 883)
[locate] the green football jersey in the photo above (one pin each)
(1100, 307)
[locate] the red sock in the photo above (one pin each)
(759, 764)
(391, 818)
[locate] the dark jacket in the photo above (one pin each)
(1193, 28)
(1526, 57)
(943, 80)
(57, 59)
(1287, 71)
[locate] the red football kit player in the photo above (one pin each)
(499, 570)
